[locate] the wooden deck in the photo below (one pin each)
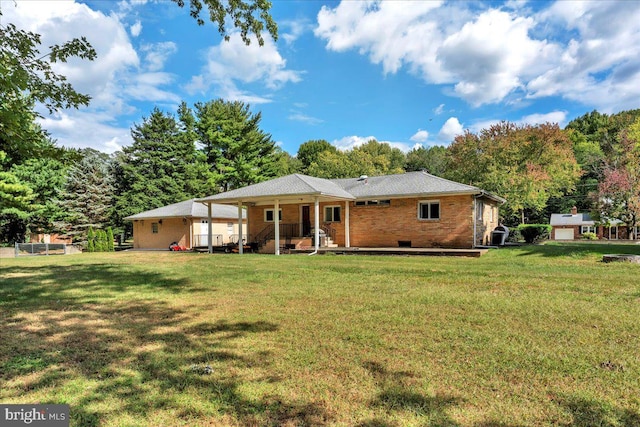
(475, 253)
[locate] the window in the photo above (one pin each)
(154, 227)
(480, 211)
(373, 202)
(268, 215)
(429, 210)
(332, 214)
(587, 229)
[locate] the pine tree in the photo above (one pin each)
(160, 167)
(237, 151)
(88, 193)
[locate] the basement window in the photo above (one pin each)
(429, 209)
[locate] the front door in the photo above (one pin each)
(306, 221)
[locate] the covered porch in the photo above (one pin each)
(285, 214)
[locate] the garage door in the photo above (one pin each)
(564, 234)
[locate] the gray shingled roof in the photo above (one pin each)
(406, 184)
(578, 219)
(569, 219)
(290, 185)
(386, 186)
(188, 209)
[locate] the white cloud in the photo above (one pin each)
(439, 109)
(353, 141)
(583, 51)
(492, 56)
(113, 80)
(350, 142)
(300, 117)
(80, 129)
(420, 136)
(559, 117)
(450, 130)
(156, 54)
(295, 30)
(231, 62)
(136, 29)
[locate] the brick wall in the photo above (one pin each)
(380, 226)
(385, 226)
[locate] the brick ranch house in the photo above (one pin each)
(185, 223)
(572, 226)
(412, 209)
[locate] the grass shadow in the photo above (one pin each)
(576, 249)
(588, 413)
(396, 395)
(131, 359)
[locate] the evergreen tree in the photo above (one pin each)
(110, 247)
(237, 151)
(91, 237)
(160, 167)
(46, 177)
(88, 193)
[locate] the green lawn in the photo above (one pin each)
(531, 336)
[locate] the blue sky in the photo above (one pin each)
(404, 72)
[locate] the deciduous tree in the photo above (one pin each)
(250, 17)
(525, 164)
(618, 195)
(432, 159)
(27, 77)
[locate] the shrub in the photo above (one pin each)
(91, 244)
(533, 233)
(514, 236)
(589, 236)
(110, 247)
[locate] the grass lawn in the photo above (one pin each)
(530, 336)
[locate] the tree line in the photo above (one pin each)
(593, 163)
(218, 145)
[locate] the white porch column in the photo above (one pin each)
(347, 238)
(316, 222)
(276, 221)
(209, 229)
(240, 243)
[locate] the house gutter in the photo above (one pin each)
(475, 221)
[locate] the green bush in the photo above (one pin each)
(91, 237)
(589, 236)
(533, 233)
(514, 236)
(110, 247)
